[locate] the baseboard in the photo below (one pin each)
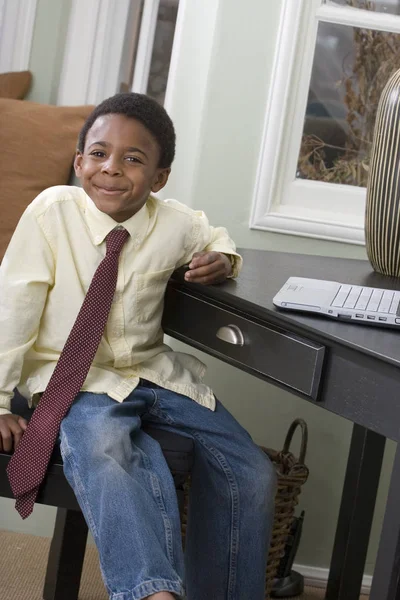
(316, 577)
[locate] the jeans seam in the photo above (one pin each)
(147, 588)
(234, 491)
(155, 486)
(158, 412)
(155, 398)
(82, 500)
(233, 488)
(78, 482)
(80, 491)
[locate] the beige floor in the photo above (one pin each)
(23, 562)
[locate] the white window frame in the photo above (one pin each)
(280, 202)
(94, 49)
(17, 21)
(145, 46)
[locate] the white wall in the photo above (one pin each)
(47, 49)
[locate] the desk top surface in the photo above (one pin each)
(264, 273)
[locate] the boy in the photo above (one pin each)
(118, 473)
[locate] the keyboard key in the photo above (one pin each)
(353, 297)
(364, 299)
(341, 296)
(375, 300)
(395, 303)
(386, 302)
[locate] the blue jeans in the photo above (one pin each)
(128, 498)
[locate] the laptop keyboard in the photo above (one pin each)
(368, 299)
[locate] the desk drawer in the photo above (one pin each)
(263, 350)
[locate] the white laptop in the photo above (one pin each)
(352, 303)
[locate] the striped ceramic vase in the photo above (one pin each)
(382, 217)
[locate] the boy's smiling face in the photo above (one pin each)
(119, 165)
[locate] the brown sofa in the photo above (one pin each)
(38, 142)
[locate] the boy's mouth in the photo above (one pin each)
(112, 191)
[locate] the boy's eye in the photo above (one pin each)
(133, 159)
(99, 153)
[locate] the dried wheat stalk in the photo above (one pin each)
(377, 58)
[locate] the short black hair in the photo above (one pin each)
(144, 109)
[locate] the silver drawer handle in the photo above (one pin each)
(231, 334)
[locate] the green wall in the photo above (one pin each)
(238, 85)
(47, 49)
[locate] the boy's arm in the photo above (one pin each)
(26, 272)
(212, 257)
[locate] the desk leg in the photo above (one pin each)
(386, 580)
(356, 514)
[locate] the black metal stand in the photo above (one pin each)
(286, 587)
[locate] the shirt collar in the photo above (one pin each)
(101, 224)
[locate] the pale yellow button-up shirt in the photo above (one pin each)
(45, 274)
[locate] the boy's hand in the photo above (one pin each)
(208, 268)
(11, 429)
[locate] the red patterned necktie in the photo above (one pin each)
(28, 465)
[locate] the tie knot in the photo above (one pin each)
(115, 240)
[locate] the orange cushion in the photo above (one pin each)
(38, 143)
(15, 85)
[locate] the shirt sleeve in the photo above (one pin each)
(204, 236)
(26, 272)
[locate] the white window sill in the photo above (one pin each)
(312, 223)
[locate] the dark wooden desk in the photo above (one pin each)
(351, 370)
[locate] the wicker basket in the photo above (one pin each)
(292, 473)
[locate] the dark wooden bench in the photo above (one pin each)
(67, 550)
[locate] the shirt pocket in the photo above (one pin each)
(150, 290)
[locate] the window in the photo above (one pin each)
(149, 40)
(320, 115)
(117, 46)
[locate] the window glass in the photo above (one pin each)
(351, 66)
(162, 49)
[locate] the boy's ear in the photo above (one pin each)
(78, 163)
(160, 179)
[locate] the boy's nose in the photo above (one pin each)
(111, 167)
